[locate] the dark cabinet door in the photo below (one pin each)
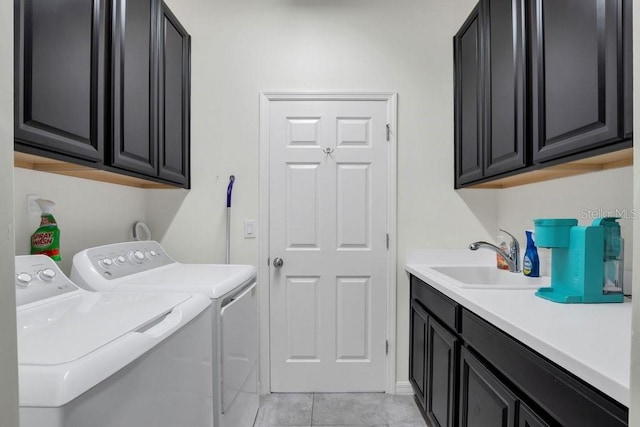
(174, 99)
(418, 351)
(134, 80)
(576, 76)
(504, 86)
(442, 364)
(59, 76)
(627, 40)
(484, 400)
(468, 100)
(528, 418)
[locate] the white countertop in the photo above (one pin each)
(592, 341)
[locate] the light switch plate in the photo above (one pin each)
(250, 230)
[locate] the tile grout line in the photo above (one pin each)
(313, 401)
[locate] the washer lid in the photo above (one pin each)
(66, 330)
(214, 280)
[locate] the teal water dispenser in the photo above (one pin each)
(586, 261)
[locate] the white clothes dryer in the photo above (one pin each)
(145, 266)
(121, 359)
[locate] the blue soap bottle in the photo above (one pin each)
(531, 263)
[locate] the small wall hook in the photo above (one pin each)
(327, 150)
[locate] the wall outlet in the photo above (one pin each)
(250, 229)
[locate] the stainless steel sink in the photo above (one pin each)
(489, 277)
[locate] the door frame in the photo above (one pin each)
(266, 98)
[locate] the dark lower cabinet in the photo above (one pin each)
(433, 364)
(442, 362)
(60, 61)
(466, 372)
(484, 400)
(418, 356)
(528, 418)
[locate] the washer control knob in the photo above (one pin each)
(23, 280)
(47, 275)
(105, 263)
(136, 257)
(153, 253)
(119, 260)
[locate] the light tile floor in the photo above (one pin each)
(338, 409)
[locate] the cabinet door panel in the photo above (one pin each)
(576, 76)
(134, 86)
(60, 60)
(442, 362)
(484, 400)
(504, 75)
(528, 418)
(417, 355)
(628, 67)
(468, 96)
(173, 138)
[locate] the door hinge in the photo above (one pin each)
(386, 347)
(268, 261)
(388, 131)
(387, 240)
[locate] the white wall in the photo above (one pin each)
(634, 414)
(8, 347)
(584, 197)
(242, 48)
(89, 213)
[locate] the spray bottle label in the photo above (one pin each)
(46, 239)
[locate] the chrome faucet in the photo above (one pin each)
(512, 258)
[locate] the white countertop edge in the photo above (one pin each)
(616, 389)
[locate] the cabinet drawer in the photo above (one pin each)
(562, 395)
(441, 306)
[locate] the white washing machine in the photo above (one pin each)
(145, 266)
(119, 359)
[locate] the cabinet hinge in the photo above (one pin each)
(388, 131)
(386, 347)
(268, 261)
(387, 240)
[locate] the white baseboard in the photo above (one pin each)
(404, 387)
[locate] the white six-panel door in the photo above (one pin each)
(328, 223)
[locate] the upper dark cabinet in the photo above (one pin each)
(134, 81)
(540, 82)
(504, 83)
(104, 84)
(577, 78)
(174, 108)
(490, 78)
(468, 98)
(59, 76)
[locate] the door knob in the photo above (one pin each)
(277, 262)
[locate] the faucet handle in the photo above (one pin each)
(514, 249)
(513, 238)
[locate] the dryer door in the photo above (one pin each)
(239, 350)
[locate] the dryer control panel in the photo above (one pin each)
(123, 259)
(38, 277)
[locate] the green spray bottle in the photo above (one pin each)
(46, 239)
